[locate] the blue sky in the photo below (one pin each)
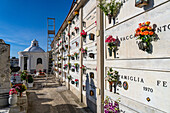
(21, 21)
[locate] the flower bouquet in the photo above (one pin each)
(76, 29)
(83, 34)
(76, 55)
(65, 66)
(146, 34)
(68, 34)
(76, 66)
(112, 43)
(69, 22)
(66, 46)
(76, 81)
(24, 75)
(20, 88)
(109, 107)
(76, 13)
(112, 77)
(110, 9)
(69, 65)
(83, 68)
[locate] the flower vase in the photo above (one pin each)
(84, 38)
(84, 71)
(20, 94)
(76, 84)
(109, 18)
(114, 21)
(110, 52)
(12, 99)
(110, 86)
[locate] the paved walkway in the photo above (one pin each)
(48, 96)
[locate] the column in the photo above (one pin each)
(81, 57)
(68, 72)
(100, 60)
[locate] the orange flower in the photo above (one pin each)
(142, 28)
(147, 23)
(137, 30)
(76, 12)
(150, 28)
(146, 32)
(146, 27)
(150, 33)
(142, 33)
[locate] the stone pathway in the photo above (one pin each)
(48, 96)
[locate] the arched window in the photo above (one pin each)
(39, 61)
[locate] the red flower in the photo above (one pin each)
(83, 33)
(76, 80)
(110, 39)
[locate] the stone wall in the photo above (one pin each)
(145, 73)
(4, 72)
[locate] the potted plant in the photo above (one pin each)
(84, 51)
(146, 35)
(76, 66)
(83, 34)
(24, 76)
(30, 81)
(76, 55)
(112, 43)
(83, 69)
(12, 97)
(65, 66)
(76, 29)
(112, 77)
(110, 107)
(110, 9)
(76, 81)
(20, 88)
(91, 36)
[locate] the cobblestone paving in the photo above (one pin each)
(48, 96)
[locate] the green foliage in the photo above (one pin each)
(23, 75)
(112, 75)
(111, 8)
(30, 79)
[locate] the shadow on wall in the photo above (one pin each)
(91, 93)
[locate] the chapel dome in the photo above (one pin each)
(34, 47)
